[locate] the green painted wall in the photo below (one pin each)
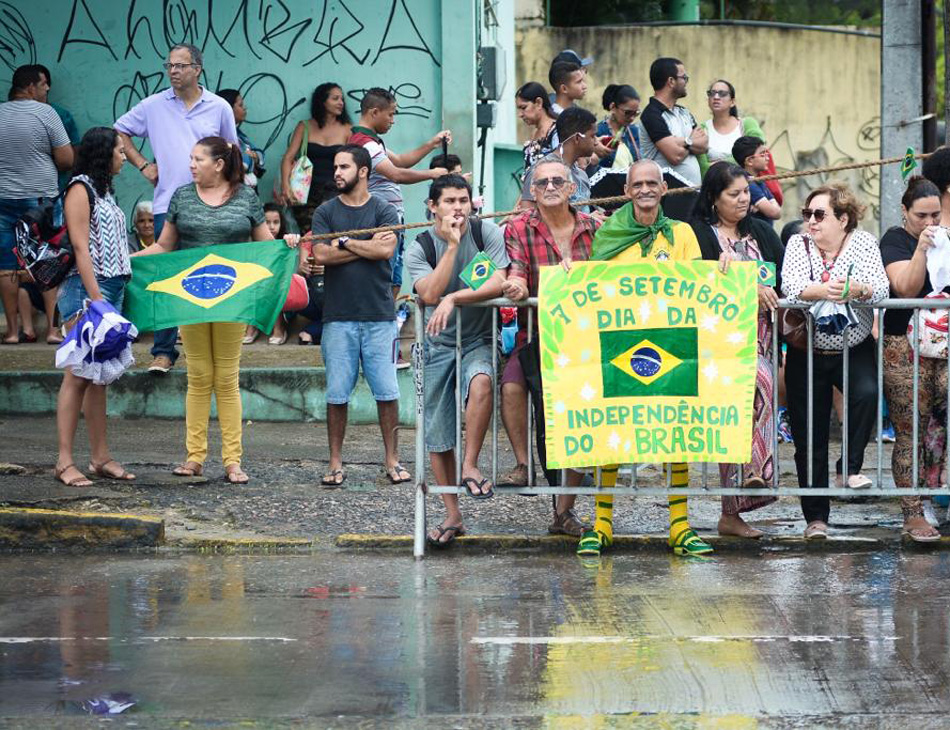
(106, 55)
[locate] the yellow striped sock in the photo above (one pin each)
(604, 504)
(679, 518)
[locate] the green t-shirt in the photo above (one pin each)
(200, 224)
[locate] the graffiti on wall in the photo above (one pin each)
(106, 57)
(828, 152)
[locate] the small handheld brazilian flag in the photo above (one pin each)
(766, 273)
(908, 163)
(478, 271)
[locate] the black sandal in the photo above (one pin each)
(440, 544)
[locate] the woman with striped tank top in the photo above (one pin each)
(96, 226)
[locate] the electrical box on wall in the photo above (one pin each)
(486, 115)
(491, 73)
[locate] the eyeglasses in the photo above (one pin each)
(721, 93)
(819, 214)
(542, 183)
(177, 66)
(630, 113)
(685, 77)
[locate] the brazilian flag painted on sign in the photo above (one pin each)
(650, 362)
(230, 282)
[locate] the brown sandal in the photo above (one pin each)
(81, 481)
(233, 474)
(124, 474)
(188, 469)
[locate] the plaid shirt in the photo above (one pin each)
(530, 246)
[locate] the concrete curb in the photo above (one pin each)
(244, 545)
(47, 529)
(655, 543)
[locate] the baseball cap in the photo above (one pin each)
(573, 57)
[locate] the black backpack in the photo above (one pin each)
(428, 245)
(42, 246)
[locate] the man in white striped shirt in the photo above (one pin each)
(35, 146)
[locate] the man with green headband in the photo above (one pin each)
(640, 232)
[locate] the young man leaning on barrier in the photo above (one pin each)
(458, 261)
(639, 231)
(554, 233)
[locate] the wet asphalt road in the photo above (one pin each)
(355, 640)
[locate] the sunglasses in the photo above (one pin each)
(819, 214)
(542, 183)
(722, 94)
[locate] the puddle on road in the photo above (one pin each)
(542, 636)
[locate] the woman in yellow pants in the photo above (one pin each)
(216, 208)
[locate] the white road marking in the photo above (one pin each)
(803, 639)
(137, 639)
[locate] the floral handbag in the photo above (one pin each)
(932, 331)
(301, 174)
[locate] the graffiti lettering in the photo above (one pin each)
(80, 8)
(383, 47)
(330, 37)
(16, 40)
(404, 92)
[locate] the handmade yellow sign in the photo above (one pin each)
(648, 362)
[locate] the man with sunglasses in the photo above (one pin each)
(554, 233)
(173, 121)
(670, 135)
(639, 231)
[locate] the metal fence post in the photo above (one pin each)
(418, 366)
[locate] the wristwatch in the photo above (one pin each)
(342, 241)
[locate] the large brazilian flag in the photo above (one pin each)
(229, 282)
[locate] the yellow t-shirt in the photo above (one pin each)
(685, 248)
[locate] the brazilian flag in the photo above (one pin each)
(650, 362)
(229, 282)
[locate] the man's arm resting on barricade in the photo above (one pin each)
(489, 290)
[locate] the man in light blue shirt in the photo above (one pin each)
(173, 120)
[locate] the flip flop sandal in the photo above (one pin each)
(475, 493)
(188, 469)
(689, 543)
(75, 481)
(397, 469)
(592, 542)
(329, 480)
(440, 544)
(913, 534)
(236, 473)
(100, 471)
(491, 490)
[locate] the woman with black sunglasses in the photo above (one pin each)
(832, 260)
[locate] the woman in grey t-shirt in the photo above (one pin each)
(216, 208)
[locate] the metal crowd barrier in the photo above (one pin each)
(704, 489)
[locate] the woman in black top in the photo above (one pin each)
(328, 129)
(726, 232)
(904, 253)
(534, 109)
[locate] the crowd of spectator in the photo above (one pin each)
(206, 173)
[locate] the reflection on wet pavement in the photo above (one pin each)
(544, 637)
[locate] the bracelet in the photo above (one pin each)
(145, 164)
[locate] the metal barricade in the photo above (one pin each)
(421, 467)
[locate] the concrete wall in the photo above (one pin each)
(816, 94)
(107, 56)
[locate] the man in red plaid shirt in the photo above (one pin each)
(554, 233)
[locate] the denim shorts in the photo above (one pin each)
(72, 294)
(10, 210)
(345, 345)
(397, 259)
(440, 408)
